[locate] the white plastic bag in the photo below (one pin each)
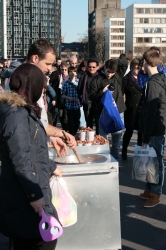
(64, 203)
(145, 165)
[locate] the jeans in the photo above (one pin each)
(115, 139)
(157, 143)
(82, 118)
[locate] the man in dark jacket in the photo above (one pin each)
(153, 121)
(83, 86)
(109, 79)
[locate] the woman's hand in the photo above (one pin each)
(59, 145)
(38, 205)
(58, 172)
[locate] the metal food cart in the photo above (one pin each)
(95, 188)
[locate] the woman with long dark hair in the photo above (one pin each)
(25, 165)
(133, 93)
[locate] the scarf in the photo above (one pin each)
(63, 79)
(134, 78)
(84, 86)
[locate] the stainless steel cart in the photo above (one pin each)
(95, 188)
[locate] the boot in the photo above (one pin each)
(124, 154)
(145, 194)
(153, 201)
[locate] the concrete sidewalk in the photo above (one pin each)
(141, 228)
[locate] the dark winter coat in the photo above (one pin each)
(153, 116)
(96, 91)
(133, 94)
(25, 168)
(81, 87)
(122, 67)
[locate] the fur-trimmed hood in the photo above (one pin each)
(13, 99)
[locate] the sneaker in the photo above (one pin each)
(145, 194)
(153, 201)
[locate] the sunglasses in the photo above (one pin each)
(92, 67)
(64, 69)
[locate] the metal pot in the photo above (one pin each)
(85, 158)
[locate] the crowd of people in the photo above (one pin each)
(42, 90)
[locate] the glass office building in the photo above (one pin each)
(24, 21)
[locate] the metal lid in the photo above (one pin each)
(85, 158)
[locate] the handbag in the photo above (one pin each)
(145, 165)
(62, 200)
(110, 119)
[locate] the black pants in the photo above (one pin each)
(55, 114)
(33, 244)
(73, 120)
(127, 137)
(91, 115)
(63, 117)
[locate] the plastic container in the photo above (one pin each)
(82, 135)
(90, 135)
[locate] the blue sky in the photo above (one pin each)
(75, 18)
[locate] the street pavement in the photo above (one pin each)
(141, 228)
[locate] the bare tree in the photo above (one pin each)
(140, 49)
(68, 51)
(99, 44)
(129, 54)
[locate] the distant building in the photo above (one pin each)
(99, 11)
(67, 54)
(145, 27)
(114, 37)
(159, 1)
(78, 49)
(74, 47)
(23, 21)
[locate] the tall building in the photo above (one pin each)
(114, 37)
(145, 27)
(159, 1)
(99, 11)
(24, 21)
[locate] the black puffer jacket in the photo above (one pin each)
(25, 169)
(96, 91)
(153, 116)
(133, 96)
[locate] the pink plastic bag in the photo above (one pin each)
(63, 201)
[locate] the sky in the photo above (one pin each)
(74, 19)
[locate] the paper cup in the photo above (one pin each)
(82, 135)
(90, 135)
